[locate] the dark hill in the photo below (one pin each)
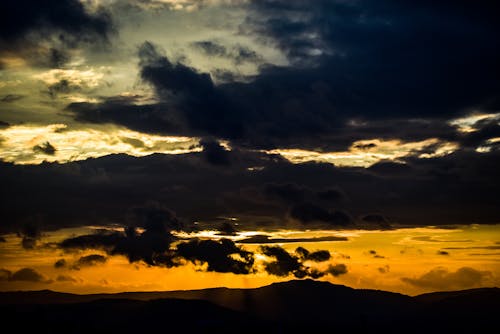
(280, 307)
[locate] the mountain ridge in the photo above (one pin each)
(279, 307)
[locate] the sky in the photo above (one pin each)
(181, 144)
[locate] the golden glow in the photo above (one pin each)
(468, 123)
(78, 144)
(364, 153)
(88, 78)
(388, 260)
(486, 147)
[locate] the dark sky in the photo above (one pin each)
(334, 114)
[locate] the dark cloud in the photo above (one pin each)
(214, 152)
(45, 148)
(458, 188)
(30, 233)
(66, 278)
(151, 246)
(375, 254)
(220, 256)
(239, 54)
(364, 89)
(227, 228)
(28, 275)
(309, 213)
(61, 263)
(286, 264)
(442, 252)
(102, 240)
(337, 269)
(288, 192)
(61, 87)
(359, 70)
(210, 48)
(377, 219)
(122, 110)
(317, 256)
(11, 98)
(28, 26)
(383, 58)
(89, 261)
(383, 270)
(441, 279)
(331, 194)
(4, 124)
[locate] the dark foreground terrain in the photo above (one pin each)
(295, 306)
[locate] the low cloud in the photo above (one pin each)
(66, 278)
(45, 148)
(23, 275)
(308, 213)
(265, 239)
(89, 261)
(60, 263)
(441, 279)
(337, 269)
(285, 263)
(220, 256)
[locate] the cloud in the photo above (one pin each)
(45, 148)
(288, 192)
(286, 264)
(30, 233)
(151, 246)
(61, 263)
(331, 194)
(375, 255)
(408, 197)
(227, 228)
(41, 33)
(441, 279)
(265, 239)
(385, 269)
(239, 54)
(214, 152)
(377, 219)
(9, 98)
(28, 275)
(220, 256)
(337, 269)
(89, 261)
(309, 213)
(331, 34)
(317, 256)
(66, 278)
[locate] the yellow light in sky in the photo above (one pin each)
(393, 260)
(17, 143)
(468, 123)
(364, 153)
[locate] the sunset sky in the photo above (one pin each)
(155, 145)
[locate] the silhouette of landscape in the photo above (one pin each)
(278, 308)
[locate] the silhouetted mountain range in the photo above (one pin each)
(301, 305)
